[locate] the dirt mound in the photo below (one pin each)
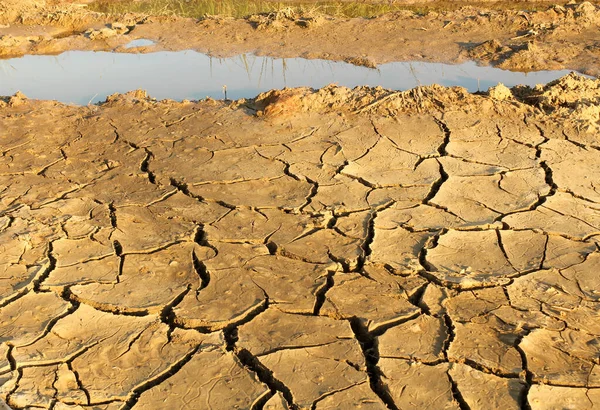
(360, 99)
(570, 91)
(11, 9)
(573, 99)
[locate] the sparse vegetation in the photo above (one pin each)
(239, 8)
(243, 8)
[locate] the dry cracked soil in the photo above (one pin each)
(305, 249)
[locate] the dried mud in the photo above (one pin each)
(558, 38)
(304, 250)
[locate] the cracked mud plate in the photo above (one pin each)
(308, 249)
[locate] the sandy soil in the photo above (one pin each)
(561, 37)
(307, 249)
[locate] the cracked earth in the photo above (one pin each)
(304, 250)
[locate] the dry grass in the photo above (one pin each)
(243, 8)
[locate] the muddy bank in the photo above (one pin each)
(559, 38)
(305, 249)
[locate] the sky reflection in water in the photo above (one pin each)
(82, 77)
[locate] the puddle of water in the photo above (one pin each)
(141, 42)
(82, 77)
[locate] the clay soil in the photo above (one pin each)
(306, 249)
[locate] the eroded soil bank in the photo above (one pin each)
(307, 249)
(558, 38)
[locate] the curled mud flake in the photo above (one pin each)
(488, 346)
(353, 225)
(140, 230)
(16, 279)
(84, 217)
(433, 298)
(419, 134)
(36, 190)
(105, 270)
(330, 356)
(324, 246)
(274, 330)
(524, 250)
(188, 208)
(341, 194)
(463, 167)
(291, 284)
(583, 276)
(26, 256)
(146, 284)
(411, 286)
(385, 165)
(377, 305)
(421, 339)
(70, 252)
(399, 248)
(5, 362)
(359, 396)
(266, 225)
(528, 319)
(231, 297)
(210, 379)
(423, 218)
(313, 372)
(402, 197)
(33, 159)
(561, 214)
(482, 144)
(236, 255)
(236, 165)
(83, 329)
(414, 384)
(470, 259)
(122, 189)
(277, 402)
(566, 358)
(280, 192)
(120, 368)
(26, 319)
(545, 397)
(563, 253)
(485, 199)
(483, 391)
(565, 159)
(568, 295)
(8, 384)
(35, 387)
(469, 305)
(67, 385)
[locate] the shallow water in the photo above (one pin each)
(140, 42)
(84, 77)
